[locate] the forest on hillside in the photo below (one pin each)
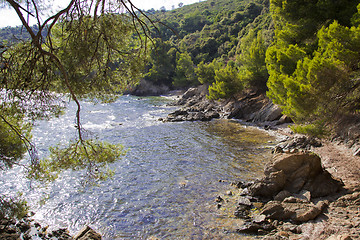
(195, 39)
(303, 54)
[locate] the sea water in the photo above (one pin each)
(163, 188)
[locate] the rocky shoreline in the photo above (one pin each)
(27, 229)
(249, 107)
(299, 197)
(296, 199)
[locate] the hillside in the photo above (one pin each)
(14, 34)
(194, 41)
(212, 29)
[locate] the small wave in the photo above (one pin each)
(98, 111)
(103, 126)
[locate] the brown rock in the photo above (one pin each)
(242, 211)
(284, 119)
(323, 185)
(293, 199)
(291, 163)
(289, 227)
(87, 234)
(269, 185)
(310, 214)
(293, 210)
(339, 237)
(259, 218)
(294, 173)
(274, 210)
(282, 195)
(306, 194)
(269, 112)
(10, 236)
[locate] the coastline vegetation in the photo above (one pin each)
(304, 55)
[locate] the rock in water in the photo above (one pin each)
(87, 234)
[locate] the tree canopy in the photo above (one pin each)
(314, 61)
(89, 49)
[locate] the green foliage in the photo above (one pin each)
(281, 64)
(12, 147)
(98, 65)
(10, 35)
(341, 43)
(209, 31)
(213, 32)
(82, 56)
(251, 60)
(92, 51)
(355, 20)
(162, 63)
(313, 73)
(13, 207)
(184, 72)
(193, 22)
(316, 129)
(226, 83)
(297, 21)
(99, 62)
(91, 155)
(206, 72)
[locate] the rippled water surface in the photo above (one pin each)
(163, 188)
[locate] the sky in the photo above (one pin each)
(9, 18)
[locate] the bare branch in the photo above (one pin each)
(17, 8)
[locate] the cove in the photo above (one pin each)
(165, 187)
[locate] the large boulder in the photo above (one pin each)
(323, 185)
(289, 191)
(193, 96)
(294, 172)
(298, 168)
